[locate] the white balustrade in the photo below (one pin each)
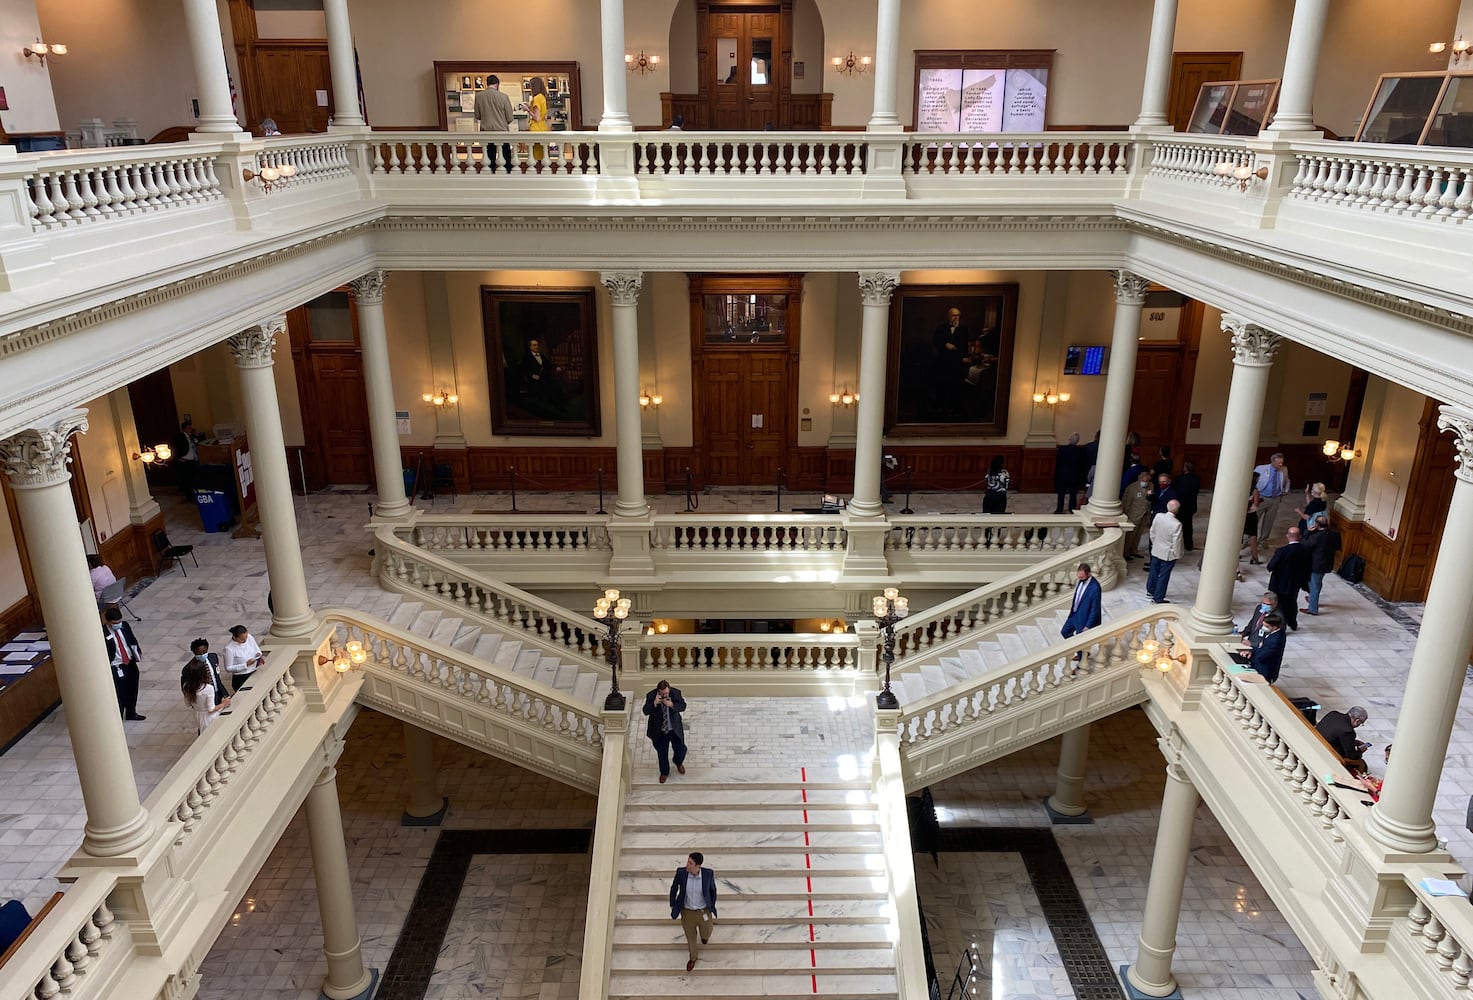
(742, 654)
(71, 961)
(760, 154)
(1052, 153)
(1440, 928)
(749, 533)
(965, 534)
(75, 189)
(1199, 159)
(1393, 180)
(478, 533)
(513, 153)
(317, 160)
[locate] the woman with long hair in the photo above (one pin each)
(537, 114)
(199, 692)
(1250, 525)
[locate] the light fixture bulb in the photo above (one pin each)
(1143, 656)
(1346, 454)
(657, 399)
(1051, 399)
(427, 397)
(891, 593)
(270, 174)
(834, 398)
(340, 663)
(1331, 446)
(654, 60)
(1165, 664)
(628, 59)
(847, 399)
(1038, 397)
(1063, 397)
(1224, 168)
(288, 170)
(1437, 47)
(663, 627)
(58, 49)
(644, 400)
(146, 456)
(439, 400)
(838, 62)
(163, 451)
(864, 60)
(1461, 45)
(611, 595)
(40, 48)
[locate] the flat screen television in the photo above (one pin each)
(1086, 360)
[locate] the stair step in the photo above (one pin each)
(755, 910)
(586, 687)
(545, 671)
(746, 960)
(859, 860)
(486, 646)
(1013, 646)
(467, 638)
(526, 662)
(955, 669)
(707, 982)
(403, 616)
(933, 678)
(765, 884)
(728, 796)
(426, 621)
(507, 653)
(735, 840)
(1034, 638)
(767, 936)
(446, 630)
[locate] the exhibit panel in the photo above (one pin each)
(1420, 109)
(459, 84)
(1234, 107)
(982, 90)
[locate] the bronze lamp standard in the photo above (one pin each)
(888, 609)
(611, 609)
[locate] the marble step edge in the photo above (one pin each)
(708, 806)
(727, 873)
(721, 947)
(768, 827)
(799, 990)
(645, 969)
(730, 898)
(817, 921)
(736, 784)
(718, 849)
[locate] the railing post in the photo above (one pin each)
(889, 790)
(884, 169)
(867, 678)
(23, 259)
(598, 928)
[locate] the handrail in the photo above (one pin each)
(1080, 154)
(985, 532)
(748, 533)
(887, 785)
(1440, 931)
(511, 533)
(79, 936)
(1413, 183)
(742, 654)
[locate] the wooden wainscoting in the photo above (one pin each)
(130, 553)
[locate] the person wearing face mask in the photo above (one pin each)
(1254, 631)
(199, 649)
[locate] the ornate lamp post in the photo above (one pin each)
(888, 609)
(611, 609)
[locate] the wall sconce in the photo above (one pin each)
(440, 398)
(350, 657)
(1339, 451)
(845, 398)
(641, 63)
(833, 627)
(648, 399)
(1243, 173)
(657, 628)
(1050, 398)
(159, 453)
(849, 65)
(1461, 46)
(270, 176)
(41, 50)
(1162, 655)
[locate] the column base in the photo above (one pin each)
(1401, 837)
(1057, 818)
(433, 819)
(119, 841)
(1135, 993)
(394, 510)
(1107, 510)
(296, 627)
(1206, 626)
(373, 978)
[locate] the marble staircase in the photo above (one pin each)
(801, 899)
(1020, 636)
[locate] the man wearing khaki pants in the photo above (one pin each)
(693, 903)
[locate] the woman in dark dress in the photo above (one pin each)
(995, 500)
(1316, 497)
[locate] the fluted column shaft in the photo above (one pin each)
(378, 384)
(1402, 819)
(1157, 89)
(202, 22)
(35, 460)
(1301, 65)
(342, 64)
(254, 350)
(876, 288)
(886, 68)
(346, 976)
(1254, 349)
(1151, 973)
(624, 295)
(616, 83)
(1130, 298)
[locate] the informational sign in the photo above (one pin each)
(1316, 404)
(939, 101)
(245, 478)
(982, 100)
(401, 417)
(1024, 100)
(322, 98)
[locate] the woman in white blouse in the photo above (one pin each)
(242, 655)
(199, 693)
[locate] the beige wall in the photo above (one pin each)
(1391, 466)
(27, 83)
(103, 462)
(12, 580)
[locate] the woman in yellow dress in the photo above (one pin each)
(537, 114)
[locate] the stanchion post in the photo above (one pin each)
(511, 475)
(601, 491)
(907, 509)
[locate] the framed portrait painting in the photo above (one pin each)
(951, 359)
(542, 356)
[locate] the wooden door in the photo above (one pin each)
(745, 64)
(329, 366)
(1189, 70)
(1162, 395)
(289, 74)
(156, 416)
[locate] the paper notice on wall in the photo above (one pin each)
(939, 101)
(322, 98)
(401, 417)
(1316, 404)
(1025, 100)
(981, 100)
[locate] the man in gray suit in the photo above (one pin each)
(493, 109)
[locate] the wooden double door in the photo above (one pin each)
(329, 365)
(745, 66)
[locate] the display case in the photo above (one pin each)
(982, 90)
(458, 83)
(1234, 107)
(1420, 109)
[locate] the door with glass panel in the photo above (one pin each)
(744, 65)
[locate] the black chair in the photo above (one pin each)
(443, 479)
(174, 552)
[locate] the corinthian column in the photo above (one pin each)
(1254, 349)
(254, 350)
(35, 460)
(1130, 297)
(378, 383)
(875, 288)
(1402, 819)
(624, 294)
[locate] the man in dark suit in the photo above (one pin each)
(1338, 729)
(186, 455)
(663, 705)
(1288, 574)
(123, 654)
(1163, 494)
(1084, 612)
(693, 903)
(200, 649)
(1188, 488)
(1069, 471)
(1268, 656)
(1252, 633)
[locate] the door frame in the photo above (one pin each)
(701, 285)
(314, 428)
(1186, 348)
(782, 66)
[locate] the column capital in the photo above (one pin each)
(1459, 420)
(38, 455)
(255, 347)
(1253, 346)
(1130, 288)
(876, 287)
(623, 286)
(369, 289)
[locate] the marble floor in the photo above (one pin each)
(1233, 944)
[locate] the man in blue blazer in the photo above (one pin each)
(693, 903)
(1269, 655)
(1084, 612)
(663, 705)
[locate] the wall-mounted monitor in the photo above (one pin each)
(1086, 360)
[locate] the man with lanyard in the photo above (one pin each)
(693, 903)
(123, 654)
(1272, 480)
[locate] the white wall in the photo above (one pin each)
(27, 83)
(1391, 466)
(12, 580)
(103, 462)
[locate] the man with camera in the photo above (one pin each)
(663, 705)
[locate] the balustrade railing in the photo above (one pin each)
(522, 534)
(1054, 153)
(1388, 179)
(764, 154)
(1196, 159)
(962, 533)
(1440, 930)
(749, 533)
(748, 654)
(93, 186)
(490, 153)
(310, 161)
(77, 937)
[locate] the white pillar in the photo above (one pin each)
(1253, 358)
(207, 45)
(1130, 297)
(342, 63)
(875, 288)
(424, 799)
(1158, 67)
(1352, 503)
(253, 350)
(624, 294)
(616, 82)
(1151, 973)
(886, 67)
(346, 976)
(1296, 91)
(142, 507)
(378, 382)
(1068, 797)
(35, 460)
(1402, 819)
